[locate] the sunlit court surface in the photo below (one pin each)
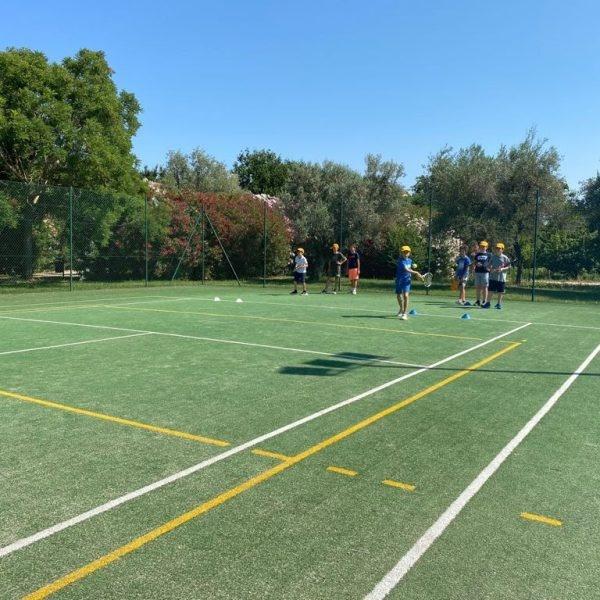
(157, 443)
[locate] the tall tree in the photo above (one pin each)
(198, 171)
(261, 171)
(63, 124)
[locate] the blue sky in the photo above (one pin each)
(336, 79)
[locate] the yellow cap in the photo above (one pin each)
(335, 247)
(300, 250)
(483, 244)
(500, 245)
(405, 249)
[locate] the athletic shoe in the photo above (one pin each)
(404, 317)
(334, 293)
(354, 292)
(305, 293)
(460, 302)
(498, 306)
(400, 313)
(467, 303)
(478, 303)
(486, 305)
(294, 292)
(324, 291)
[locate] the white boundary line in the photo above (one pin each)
(207, 339)
(75, 301)
(375, 310)
(118, 337)
(395, 575)
(45, 533)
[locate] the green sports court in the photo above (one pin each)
(157, 443)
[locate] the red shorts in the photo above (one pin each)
(352, 274)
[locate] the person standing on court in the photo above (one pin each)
(353, 268)
(300, 268)
(499, 265)
(482, 274)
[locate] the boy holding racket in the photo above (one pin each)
(404, 273)
(499, 265)
(353, 268)
(300, 268)
(334, 270)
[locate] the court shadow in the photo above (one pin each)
(339, 364)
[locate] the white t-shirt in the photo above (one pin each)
(300, 264)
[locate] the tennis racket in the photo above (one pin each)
(427, 279)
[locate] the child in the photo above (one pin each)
(404, 271)
(499, 265)
(334, 270)
(300, 267)
(461, 275)
(353, 268)
(482, 274)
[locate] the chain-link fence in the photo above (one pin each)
(66, 236)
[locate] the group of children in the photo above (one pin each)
(333, 270)
(489, 270)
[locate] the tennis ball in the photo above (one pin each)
(415, 265)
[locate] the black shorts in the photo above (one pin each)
(299, 277)
(497, 286)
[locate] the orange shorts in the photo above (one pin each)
(352, 274)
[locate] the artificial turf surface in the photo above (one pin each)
(304, 532)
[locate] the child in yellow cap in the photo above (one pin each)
(404, 273)
(334, 270)
(499, 265)
(482, 274)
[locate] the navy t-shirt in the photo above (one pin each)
(353, 259)
(482, 261)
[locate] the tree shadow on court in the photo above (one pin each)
(346, 362)
(338, 364)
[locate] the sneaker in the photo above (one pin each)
(467, 303)
(400, 313)
(460, 302)
(486, 305)
(354, 292)
(478, 303)
(498, 306)
(294, 292)
(334, 293)
(404, 317)
(305, 293)
(323, 291)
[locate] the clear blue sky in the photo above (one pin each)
(337, 79)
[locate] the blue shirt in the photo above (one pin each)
(462, 266)
(402, 275)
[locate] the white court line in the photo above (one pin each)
(380, 311)
(118, 337)
(45, 533)
(70, 301)
(218, 341)
(395, 575)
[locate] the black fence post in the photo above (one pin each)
(535, 237)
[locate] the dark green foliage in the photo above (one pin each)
(261, 171)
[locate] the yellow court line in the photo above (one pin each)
(269, 454)
(205, 507)
(104, 417)
(398, 484)
(541, 519)
(342, 471)
(295, 321)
